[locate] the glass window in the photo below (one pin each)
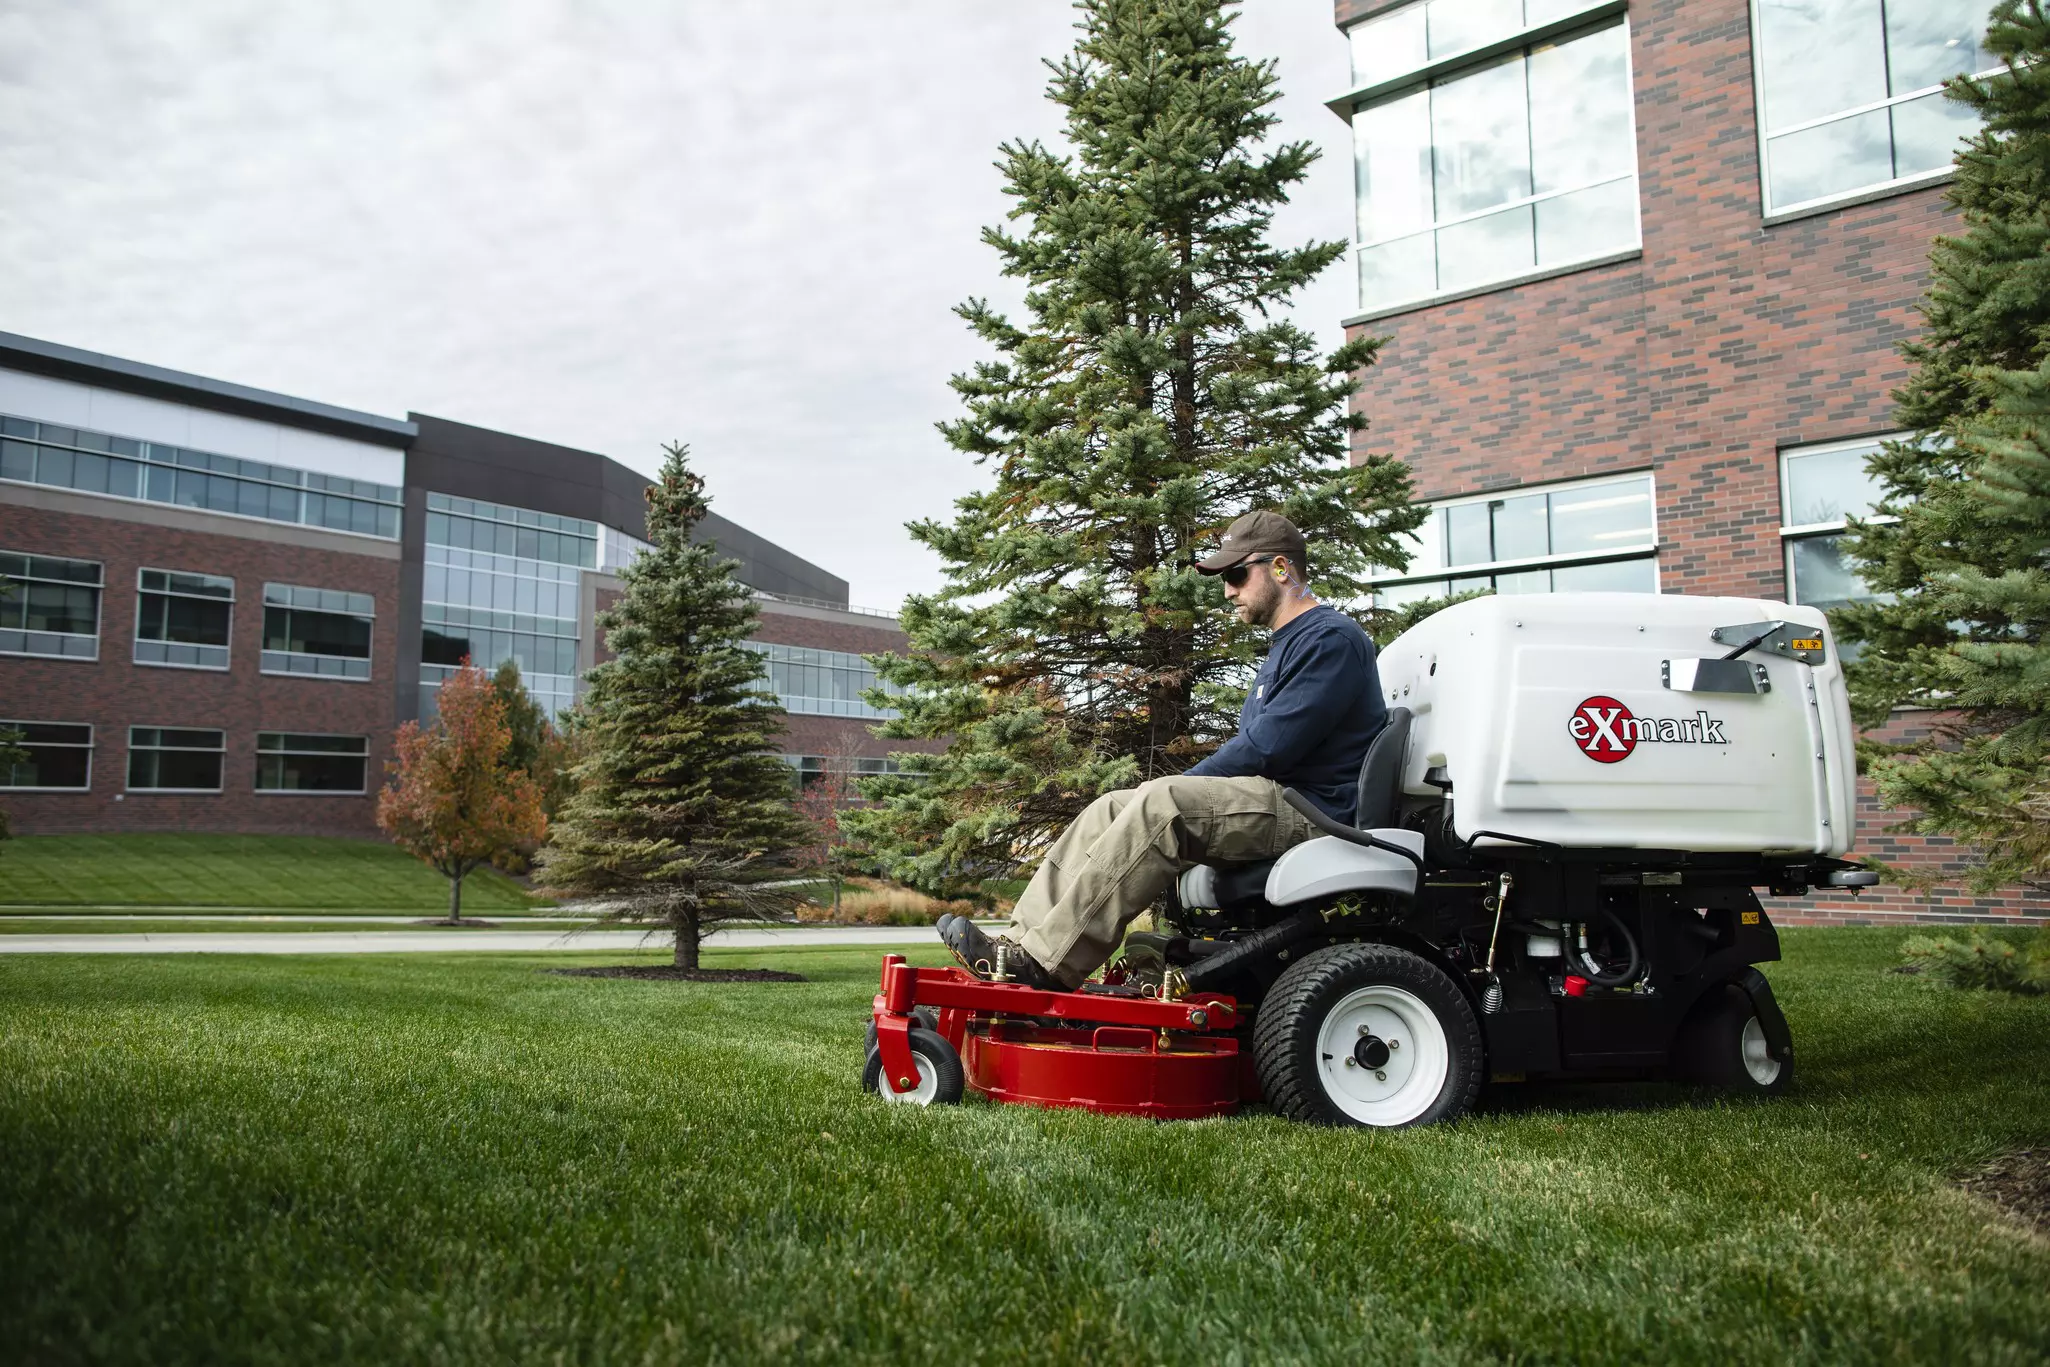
(1590, 536)
(98, 463)
(60, 755)
(317, 633)
(1392, 45)
(1820, 488)
(825, 683)
(287, 763)
(1848, 92)
(174, 760)
(49, 606)
(1524, 163)
(183, 619)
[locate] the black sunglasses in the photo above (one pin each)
(1237, 575)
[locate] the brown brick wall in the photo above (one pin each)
(1725, 341)
(114, 693)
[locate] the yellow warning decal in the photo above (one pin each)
(1749, 918)
(1805, 645)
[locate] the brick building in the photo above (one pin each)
(1643, 270)
(226, 600)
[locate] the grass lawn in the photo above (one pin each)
(277, 872)
(467, 1159)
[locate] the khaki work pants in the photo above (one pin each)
(1126, 848)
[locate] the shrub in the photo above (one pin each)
(1982, 961)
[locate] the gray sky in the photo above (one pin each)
(741, 225)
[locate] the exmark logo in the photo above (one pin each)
(1606, 732)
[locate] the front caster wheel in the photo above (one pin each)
(939, 1082)
(1363, 1034)
(1723, 1045)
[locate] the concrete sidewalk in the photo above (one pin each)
(468, 941)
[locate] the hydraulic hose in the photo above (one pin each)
(1631, 968)
(1239, 954)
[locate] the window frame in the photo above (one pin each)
(1792, 533)
(222, 751)
(262, 753)
(264, 651)
(1772, 214)
(1636, 550)
(91, 744)
(99, 589)
(1583, 23)
(136, 644)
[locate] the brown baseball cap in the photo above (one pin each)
(1253, 536)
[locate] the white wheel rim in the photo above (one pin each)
(1758, 1059)
(1419, 1056)
(927, 1088)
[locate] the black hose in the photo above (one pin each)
(1214, 968)
(1631, 969)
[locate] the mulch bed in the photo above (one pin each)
(467, 923)
(671, 973)
(2019, 1183)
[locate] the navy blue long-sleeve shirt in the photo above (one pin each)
(1313, 709)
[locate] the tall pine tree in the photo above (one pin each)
(1151, 399)
(682, 815)
(1965, 571)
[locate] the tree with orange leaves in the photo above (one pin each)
(452, 801)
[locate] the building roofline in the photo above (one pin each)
(134, 377)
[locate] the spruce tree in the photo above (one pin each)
(1962, 572)
(1151, 398)
(682, 815)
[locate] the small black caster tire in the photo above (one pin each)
(940, 1079)
(921, 1016)
(1368, 1035)
(1723, 1045)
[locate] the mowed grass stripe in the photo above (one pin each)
(469, 1159)
(275, 872)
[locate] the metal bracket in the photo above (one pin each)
(1788, 640)
(1714, 676)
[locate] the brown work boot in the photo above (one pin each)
(978, 954)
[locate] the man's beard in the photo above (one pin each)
(1258, 609)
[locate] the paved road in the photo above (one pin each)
(433, 941)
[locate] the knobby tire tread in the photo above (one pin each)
(1288, 1071)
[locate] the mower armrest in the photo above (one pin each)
(1330, 825)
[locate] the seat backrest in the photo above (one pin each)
(1380, 794)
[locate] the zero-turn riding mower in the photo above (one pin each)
(1554, 873)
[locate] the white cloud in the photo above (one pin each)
(741, 225)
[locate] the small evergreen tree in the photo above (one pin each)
(537, 748)
(1151, 399)
(452, 802)
(1962, 572)
(682, 815)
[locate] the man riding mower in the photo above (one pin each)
(1525, 842)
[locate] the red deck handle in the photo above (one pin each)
(1124, 1037)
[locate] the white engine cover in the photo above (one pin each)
(1328, 866)
(1552, 716)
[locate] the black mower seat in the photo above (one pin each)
(1228, 887)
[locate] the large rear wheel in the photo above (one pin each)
(1367, 1035)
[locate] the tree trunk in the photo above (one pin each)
(455, 897)
(686, 941)
(836, 895)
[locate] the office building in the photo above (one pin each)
(1644, 270)
(226, 600)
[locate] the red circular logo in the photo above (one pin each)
(1603, 729)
